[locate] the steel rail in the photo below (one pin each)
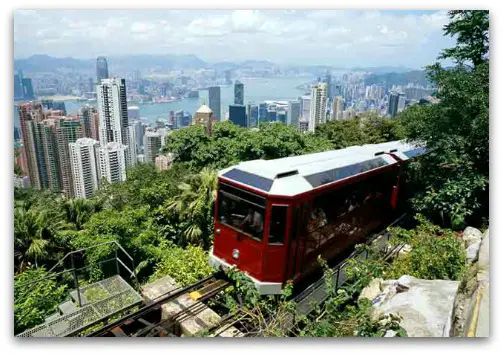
(151, 305)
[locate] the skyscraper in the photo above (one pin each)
(47, 154)
(85, 162)
(318, 105)
(228, 77)
(262, 112)
(29, 115)
(293, 113)
(239, 93)
(305, 106)
(101, 69)
(133, 145)
(337, 108)
(85, 115)
(68, 131)
(214, 101)
(328, 80)
(401, 103)
(112, 109)
(393, 104)
(237, 115)
(18, 86)
(113, 158)
(281, 116)
(28, 89)
(151, 146)
(252, 114)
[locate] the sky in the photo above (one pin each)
(343, 38)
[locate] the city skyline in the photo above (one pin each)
(286, 37)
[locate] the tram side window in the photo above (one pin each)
(241, 214)
(277, 225)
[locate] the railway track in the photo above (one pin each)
(147, 320)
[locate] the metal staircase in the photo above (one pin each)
(89, 304)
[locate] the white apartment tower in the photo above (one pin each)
(318, 106)
(113, 162)
(152, 142)
(113, 113)
(84, 155)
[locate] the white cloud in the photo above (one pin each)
(337, 37)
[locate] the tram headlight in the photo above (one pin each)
(235, 254)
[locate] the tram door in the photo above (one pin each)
(277, 241)
(297, 241)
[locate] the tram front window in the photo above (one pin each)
(240, 214)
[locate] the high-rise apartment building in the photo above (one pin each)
(328, 80)
(113, 158)
(214, 101)
(88, 116)
(337, 108)
(112, 109)
(401, 103)
(29, 115)
(68, 131)
(133, 145)
(101, 69)
(151, 146)
(47, 154)
(85, 162)
(305, 106)
(164, 162)
(293, 113)
(318, 105)
(393, 104)
(239, 93)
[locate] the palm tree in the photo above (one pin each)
(194, 205)
(35, 232)
(78, 211)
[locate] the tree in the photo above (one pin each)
(472, 30)
(452, 181)
(193, 207)
(36, 235)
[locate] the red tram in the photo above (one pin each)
(274, 217)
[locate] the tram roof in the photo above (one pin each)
(295, 175)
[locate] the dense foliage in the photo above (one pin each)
(229, 144)
(453, 181)
(437, 253)
(36, 300)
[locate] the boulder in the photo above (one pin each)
(372, 290)
(472, 252)
(424, 305)
(471, 235)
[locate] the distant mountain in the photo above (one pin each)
(45, 63)
(383, 70)
(390, 79)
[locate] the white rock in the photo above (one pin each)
(372, 290)
(405, 282)
(471, 235)
(406, 249)
(424, 308)
(472, 252)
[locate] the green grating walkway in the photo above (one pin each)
(99, 300)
